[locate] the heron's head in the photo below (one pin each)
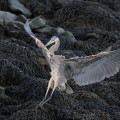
(52, 40)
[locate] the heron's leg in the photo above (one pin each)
(55, 85)
(49, 85)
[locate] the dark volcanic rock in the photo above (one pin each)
(112, 4)
(4, 5)
(93, 25)
(7, 16)
(85, 15)
(37, 22)
(16, 6)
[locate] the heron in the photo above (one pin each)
(83, 70)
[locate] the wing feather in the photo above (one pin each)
(28, 30)
(94, 68)
(114, 68)
(38, 42)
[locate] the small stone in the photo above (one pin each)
(37, 22)
(7, 16)
(16, 6)
(47, 29)
(60, 30)
(70, 36)
(92, 35)
(21, 18)
(2, 90)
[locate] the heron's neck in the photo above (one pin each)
(57, 44)
(55, 47)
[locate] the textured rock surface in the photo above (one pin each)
(37, 22)
(24, 74)
(21, 18)
(16, 6)
(7, 16)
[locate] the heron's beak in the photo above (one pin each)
(52, 40)
(47, 45)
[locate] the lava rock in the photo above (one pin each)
(13, 33)
(60, 30)
(92, 35)
(21, 18)
(51, 30)
(16, 6)
(41, 9)
(4, 5)
(47, 30)
(37, 22)
(70, 36)
(16, 24)
(23, 1)
(7, 16)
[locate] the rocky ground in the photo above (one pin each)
(84, 27)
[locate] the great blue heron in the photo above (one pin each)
(83, 70)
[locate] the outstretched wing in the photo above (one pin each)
(94, 68)
(28, 30)
(38, 42)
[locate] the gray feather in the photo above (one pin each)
(107, 49)
(95, 68)
(28, 30)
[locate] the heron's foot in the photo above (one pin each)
(38, 106)
(42, 103)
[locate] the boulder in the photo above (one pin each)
(37, 22)
(7, 16)
(16, 6)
